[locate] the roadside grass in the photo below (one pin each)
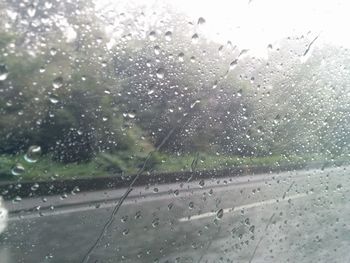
(125, 163)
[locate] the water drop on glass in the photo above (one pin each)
(53, 99)
(53, 51)
(152, 35)
(181, 57)
(219, 213)
(18, 169)
(201, 21)
(168, 36)
(48, 5)
(33, 154)
(31, 11)
(57, 83)
(195, 38)
(160, 73)
(17, 199)
(194, 104)
(157, 50)
(155, 222)
(138, 215)
(3, 72)
(233, 64)
(35, 187)
(131, 115)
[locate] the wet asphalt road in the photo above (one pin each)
(301, 216)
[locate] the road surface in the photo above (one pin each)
(298, 216)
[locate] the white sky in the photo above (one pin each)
(259, 23)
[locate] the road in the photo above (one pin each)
(297, 216)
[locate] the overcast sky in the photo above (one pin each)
(253, 25)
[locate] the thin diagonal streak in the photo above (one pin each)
(120, 202)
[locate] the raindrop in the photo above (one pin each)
(155, 190)
(131, 115)
(195, 38)
(243, 52)
(157, 50)
(155, 222)
(3, 72)
(160, 73)
(75, 190)
(33, 154)
(168, 36)
(35, 187)
(53, 99)
(57, 83)
(233, 64)
(194, 104)
(176, 192)
(181, 57)
(201, 183)
(201, 21)
(31, 11)
(17, 199)
(18, 169)
(220, 213)
(125, 232)
(53, 51)
(152, 35)
(191, 205)
(48, 5)
(339, 186)
(138, 215)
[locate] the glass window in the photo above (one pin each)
(174, 131)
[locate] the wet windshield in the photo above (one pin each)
(174, 131)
